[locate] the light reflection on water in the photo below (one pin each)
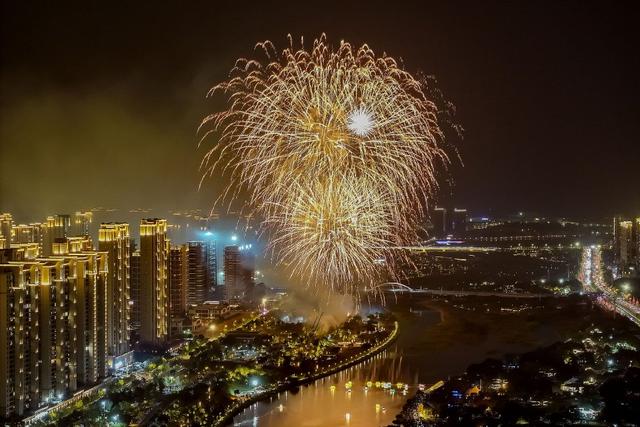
(317, 405)
(320, 405)
(432, 344)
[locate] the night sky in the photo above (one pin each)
(100, 101)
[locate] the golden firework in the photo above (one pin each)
(336, 150)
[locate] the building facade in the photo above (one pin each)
(154, 281)
(134, 302)
(178, 276)
(626, 245)
(239, 266)
(114, 239)
(50, 325)
(198, 275)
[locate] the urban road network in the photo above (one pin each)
(594, 281)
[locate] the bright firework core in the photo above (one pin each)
(360, 122)
(336, 150)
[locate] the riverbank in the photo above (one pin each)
(591, 378)
(227, 416)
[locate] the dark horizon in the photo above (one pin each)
(99, 105)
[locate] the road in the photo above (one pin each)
(592, 278)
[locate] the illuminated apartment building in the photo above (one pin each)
(626, 245)
(81, 223)
(51, 324)
(134, 294)
(114, 239)
(19, 343)
(178, 276)
(27, 233)
(55, 227)
(6, 229)
(154, 281)
(198, 280)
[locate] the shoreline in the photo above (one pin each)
(234, 410)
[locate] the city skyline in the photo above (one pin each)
(341, 214)
(555, 115)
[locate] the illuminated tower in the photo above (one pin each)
(81, 223)
(55, 227)
(212, 266)
(50, 325)
(31, 233)
(114, 239)
(198, 272)
(57, 288)
(154, 281)
(61, 226)
(6, 226)
(178, 276)
(134, 302)
(13, 355)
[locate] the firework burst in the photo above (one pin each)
(337, 151)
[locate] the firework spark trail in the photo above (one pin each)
(337, 150)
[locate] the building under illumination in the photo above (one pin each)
(198, 276)
(239, 266)
(27, 233)
(134, 302)
(114, 239)
(51, 326)
(154, 281)
(81, 223)
(6, 229)
(178, 276)
(626, 245)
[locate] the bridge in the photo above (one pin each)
(401, 288)
(484, 249)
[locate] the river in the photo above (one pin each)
(435, 341)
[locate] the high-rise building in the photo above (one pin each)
(19, 374)
(27, 233)
(459, 222)
(178, 276)
(81, 223)
(134, 302)
(154, 281)
(439, 221)
(626, 245)
(212, 266)
(198, 281)
(50, 326)
(47, 236)
(92, 272)
(239, 267)
(6, 230)
(61, 226)
(114, 239)
(55, 227)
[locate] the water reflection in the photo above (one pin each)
(330, 402)
(434, 342)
